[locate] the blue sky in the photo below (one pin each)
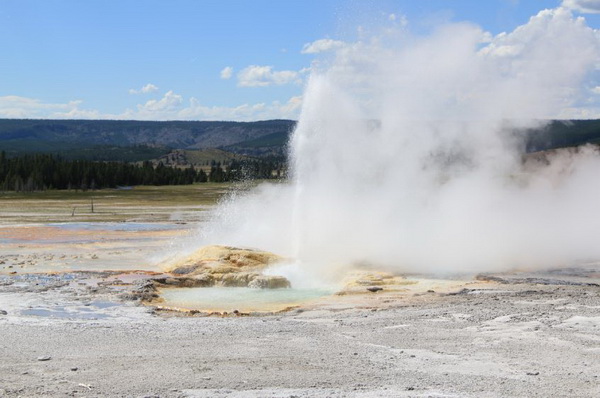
(203, 60)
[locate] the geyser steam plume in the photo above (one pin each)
(406, 156)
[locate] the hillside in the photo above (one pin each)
(19, 136)
(563, 133)
(271, 145)
(199, 157)
(206, 141)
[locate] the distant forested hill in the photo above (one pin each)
(147, 140)
(563, 133)
(106, 138)
(84, 154)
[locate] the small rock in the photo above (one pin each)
(44, 358)
(374, 289)
(269, 282)
(74, 369)
(2, 312)
(533, 373)
(410, 388)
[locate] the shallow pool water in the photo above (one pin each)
(240, 298)
(61, 312)
(111, 226)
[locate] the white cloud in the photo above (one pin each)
(291, 109)
(77, 113)
(171, 106)
(548, 60)
(169, 102)
(262, 76)
(580, 113)
(322, 45)
(244, 112)
(227, 72)
(583, 6)
(13, 106)
(398, 19)
(148, 88)
(553, 47)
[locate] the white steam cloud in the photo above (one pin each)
(405, 157)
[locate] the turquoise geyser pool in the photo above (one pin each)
(228, 299)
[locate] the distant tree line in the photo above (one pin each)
(238, 170)
(39, 172)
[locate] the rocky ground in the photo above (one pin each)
(85, 332)
(511, 335)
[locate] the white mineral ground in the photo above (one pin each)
(513, 334)
(446, 189)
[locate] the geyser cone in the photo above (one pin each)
(408, 156)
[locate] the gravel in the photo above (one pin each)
(492, 340)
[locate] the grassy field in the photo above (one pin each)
(140, 204)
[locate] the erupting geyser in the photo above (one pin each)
(407, 156)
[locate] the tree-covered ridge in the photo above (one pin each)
(20, 136)
(129, 140)
(563, 133)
